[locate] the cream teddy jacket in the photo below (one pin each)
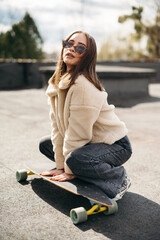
(79, 115)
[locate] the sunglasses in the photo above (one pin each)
(79, 49)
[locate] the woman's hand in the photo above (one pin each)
(63, 177)
(53, 172)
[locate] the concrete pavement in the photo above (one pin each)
(38, 210)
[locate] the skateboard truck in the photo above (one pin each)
(79, 215)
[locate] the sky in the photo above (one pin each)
(56, 19)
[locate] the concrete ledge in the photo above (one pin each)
(121, 83)
(136, 64)
(124, 83)
(118, 72)
(24, 73)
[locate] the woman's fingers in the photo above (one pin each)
(62, 177)
(52, 172)
(47, 173)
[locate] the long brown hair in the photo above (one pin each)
(86, 65)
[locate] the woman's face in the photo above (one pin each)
(70, 56)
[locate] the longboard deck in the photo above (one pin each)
(76, 186)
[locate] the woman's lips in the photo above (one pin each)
(70, 55)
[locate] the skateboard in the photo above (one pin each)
(100, 202)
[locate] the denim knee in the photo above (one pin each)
(79, 163)
(125, 143)
(46, 147)
(41, 147)
(43, 144)
(72, 162)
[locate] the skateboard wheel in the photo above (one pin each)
(78, 215)
(21, 175)
(113, 209)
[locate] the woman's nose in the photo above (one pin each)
(72, 48)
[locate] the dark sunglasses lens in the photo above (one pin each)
(80, 49)
(67, 44)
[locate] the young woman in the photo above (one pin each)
(88, 141)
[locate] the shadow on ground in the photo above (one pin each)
(138, 218)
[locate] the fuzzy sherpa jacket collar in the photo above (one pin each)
(52, 90)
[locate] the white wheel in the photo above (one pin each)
(21, 175)
(78, 215)
(113, 209)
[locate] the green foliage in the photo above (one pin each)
(116, 48)
(22, 41)
(136, 16)
(153, 44)
(152, 32)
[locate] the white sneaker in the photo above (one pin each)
(125, 186)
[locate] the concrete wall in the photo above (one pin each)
(121, 83)
(153, 65)
(11, 76)
(17, 75)
(122, 90)
(26, 74)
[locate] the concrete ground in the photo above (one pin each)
(38, 210)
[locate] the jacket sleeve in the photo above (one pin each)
(57, 141)
(83, 114)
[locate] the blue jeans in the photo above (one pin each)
(97, 163)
